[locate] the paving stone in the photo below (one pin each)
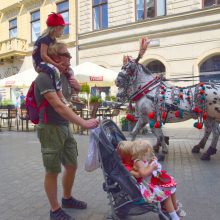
(22, 195)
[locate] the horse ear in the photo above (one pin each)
(126, 59)
(144, 42)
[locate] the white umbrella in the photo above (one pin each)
(93, 74)
(22, 79)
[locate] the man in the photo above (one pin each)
(57, 143)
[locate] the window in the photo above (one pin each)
(13, 28)
(100, 14)
(209, 3)
(63, 9)
(210, 69)
(156, 67)
(35, 25)
(150, 8)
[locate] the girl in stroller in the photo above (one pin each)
(138, 157)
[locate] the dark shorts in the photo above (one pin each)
(58, 146)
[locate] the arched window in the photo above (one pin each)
(210, 3)
(156, 67)
(210, 69)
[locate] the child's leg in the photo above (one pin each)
(170, 209)
(173, 197)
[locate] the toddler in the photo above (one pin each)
(133, 154)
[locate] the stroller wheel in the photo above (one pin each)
(164, 216)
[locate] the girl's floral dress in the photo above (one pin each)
(151, 193)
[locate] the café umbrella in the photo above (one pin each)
(94, 75)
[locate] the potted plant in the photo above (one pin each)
(94, 101)
(127, 122)
(7, 104)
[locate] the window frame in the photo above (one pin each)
(63, 11)
(100, 5)
(13, 27)
(155, 10)
(216, 4)
(33, 21)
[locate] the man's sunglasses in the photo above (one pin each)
(67, 54)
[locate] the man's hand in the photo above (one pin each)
(91, 123)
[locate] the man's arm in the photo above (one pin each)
(67, 113)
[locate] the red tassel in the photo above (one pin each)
(151, 115)
(157, 124)
(164, 115)
(177, 114)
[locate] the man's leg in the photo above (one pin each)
(50, 186)
(68, 180)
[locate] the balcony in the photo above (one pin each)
(14, 47)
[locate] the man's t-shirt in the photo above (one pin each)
(36, 55)
(44, 84)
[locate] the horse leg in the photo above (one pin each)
(136, 129)
(212, 149)
(160, 140)
(208, 129)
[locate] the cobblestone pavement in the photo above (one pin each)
(21, 183)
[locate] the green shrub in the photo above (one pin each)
(95, 99)
(85, 88)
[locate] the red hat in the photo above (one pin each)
(55, 19)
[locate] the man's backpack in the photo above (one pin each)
(31, 106)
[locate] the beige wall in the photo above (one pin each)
(184, 36)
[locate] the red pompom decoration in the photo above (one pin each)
(162, 87)
(199, 125)
(162, 92)
(196, 110)
(151, 115)
(164, 115)
(204, 116)
(128, 117)
(177, 114)
(201, 92)
(157, 124)
(181, 96)
(201, 84)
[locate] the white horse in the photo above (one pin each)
(163, 103)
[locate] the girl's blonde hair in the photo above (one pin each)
(142, 148)
(49, 31)
(124, 149)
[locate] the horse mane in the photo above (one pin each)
(146, 70)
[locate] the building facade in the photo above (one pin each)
(185, 34)
(21, 23)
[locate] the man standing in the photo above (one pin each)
(58, 145)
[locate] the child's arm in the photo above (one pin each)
(47, 59)
(144, 171)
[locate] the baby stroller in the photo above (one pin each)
(122, 189)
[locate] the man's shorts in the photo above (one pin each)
(58, 146)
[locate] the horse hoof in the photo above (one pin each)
(160, 157)
(166, 139)
(205, 156)
(196, 150)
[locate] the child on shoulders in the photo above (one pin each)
(43, 63)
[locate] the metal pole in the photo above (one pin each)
(77, 46)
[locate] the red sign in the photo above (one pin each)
(9, 83)
(96, 78)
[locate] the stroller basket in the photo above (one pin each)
(123, 192)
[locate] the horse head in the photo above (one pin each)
(131, 77)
